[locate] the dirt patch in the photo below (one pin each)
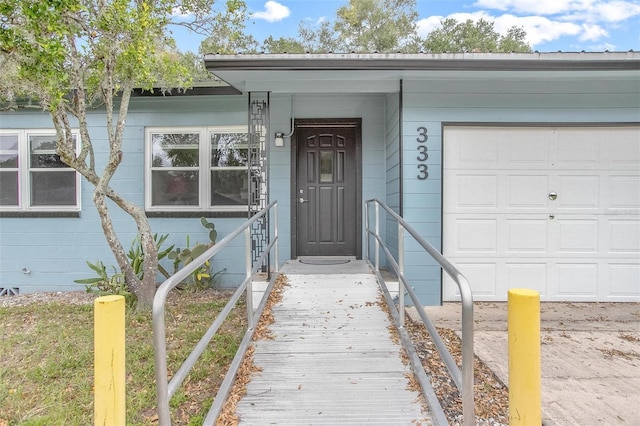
(629, 337)
(64, 297)
(628, 355)
(491, 396)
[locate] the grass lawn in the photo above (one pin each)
(46, 360)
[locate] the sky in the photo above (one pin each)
(551, 25)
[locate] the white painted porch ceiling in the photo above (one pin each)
(388, 81)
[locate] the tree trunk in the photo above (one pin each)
(144, 289)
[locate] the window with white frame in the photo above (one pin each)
(197, 168)
(32, 176)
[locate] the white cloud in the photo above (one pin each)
(574, 21)
(568, 10)
(426, 25)
(539, 29)
(537, 7)
(592, 32)
(609, 12)
(273, 12)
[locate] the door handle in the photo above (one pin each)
(302, 200)
(553, 195)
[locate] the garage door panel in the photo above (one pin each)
(625, 191)
(579, 148)
(527, 191)
(624, 151)
(527, 236)
(477, 150)
(476, 191)
(624, 279)
(476, 235)
(624, 236)
(576, 236)
(581, 243)
(577, 192)
(577, 279)
(529, 149)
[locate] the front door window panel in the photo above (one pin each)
(326, 166)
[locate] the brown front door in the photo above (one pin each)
(327, 191)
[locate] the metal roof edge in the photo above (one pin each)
(556, 61)
(190, 91)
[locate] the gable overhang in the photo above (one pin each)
(380, 73)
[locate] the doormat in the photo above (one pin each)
(324, 261)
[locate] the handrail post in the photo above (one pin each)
(366, 230)
(160, 359)
(247, 242)
(468, 407)
(275, 238)
(377, 264)
(401, 272)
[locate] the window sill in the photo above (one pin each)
(197, 214)
(39, 214)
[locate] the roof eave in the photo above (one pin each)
(615, 61)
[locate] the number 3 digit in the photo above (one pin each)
(423, 171)
(422, 155)
(422, 132)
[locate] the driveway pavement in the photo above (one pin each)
(590, 357)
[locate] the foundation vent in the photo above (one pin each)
(9, 291)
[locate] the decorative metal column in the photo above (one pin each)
(258, 170)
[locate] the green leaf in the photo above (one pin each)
(88, 281)
(98, 267)
(198, 249)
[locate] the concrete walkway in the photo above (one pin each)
(332, 360)
(590, 357)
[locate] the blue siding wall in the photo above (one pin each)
(55, 249)
(280, 171)
(392, 168)
(558, 98)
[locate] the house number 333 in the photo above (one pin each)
(423, 155)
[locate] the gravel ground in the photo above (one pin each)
(491, 396)
(66, 297)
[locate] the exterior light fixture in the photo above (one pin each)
(279, 141)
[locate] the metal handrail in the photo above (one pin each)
(166, 389)
(463, 380)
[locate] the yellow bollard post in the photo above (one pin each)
(109, 361)
(525, 405)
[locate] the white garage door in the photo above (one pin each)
(552, 209)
